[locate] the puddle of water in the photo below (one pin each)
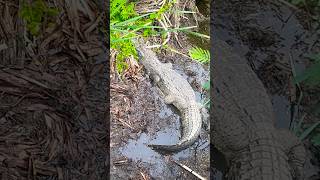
(281, 107)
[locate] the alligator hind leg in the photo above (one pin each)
(176, 101)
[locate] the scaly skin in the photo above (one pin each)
(177, 91)
(243, 123)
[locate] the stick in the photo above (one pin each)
(189, 170)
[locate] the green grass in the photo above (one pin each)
(126, 24)
(35, 13)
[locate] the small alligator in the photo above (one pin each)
(243, 123)
(176, 91)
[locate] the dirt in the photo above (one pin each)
(275, 40)
(53, 97)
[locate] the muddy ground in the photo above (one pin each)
(139, 116)
(275, 40)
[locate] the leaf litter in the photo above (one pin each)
(52, 96)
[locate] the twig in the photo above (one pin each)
(289, 4)
(144, 176)
(123, 122)
(175, 51)
(189, 170)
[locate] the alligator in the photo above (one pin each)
(176, 91)
(243, 123)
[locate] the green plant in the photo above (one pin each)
(303, 133)
(206, 87)
(199, 54)
(34, 14)
(298, 129)
(311, 76)
(316, 140)
(126, 24)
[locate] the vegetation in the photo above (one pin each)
(203, 56)
(310, 131)
(35, 13)
(206, 87)
(310, 6)
(126, 24)
(311, 78)
(199, 54)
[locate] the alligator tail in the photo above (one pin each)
(167, 149)
(192, 124)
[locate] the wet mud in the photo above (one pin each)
(150, 121)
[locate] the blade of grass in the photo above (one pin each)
(309, 130)
(131, 20)
(122, 39)
(180, 29)
(196, 34)
(298, 126)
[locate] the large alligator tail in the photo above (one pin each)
(167, 149)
